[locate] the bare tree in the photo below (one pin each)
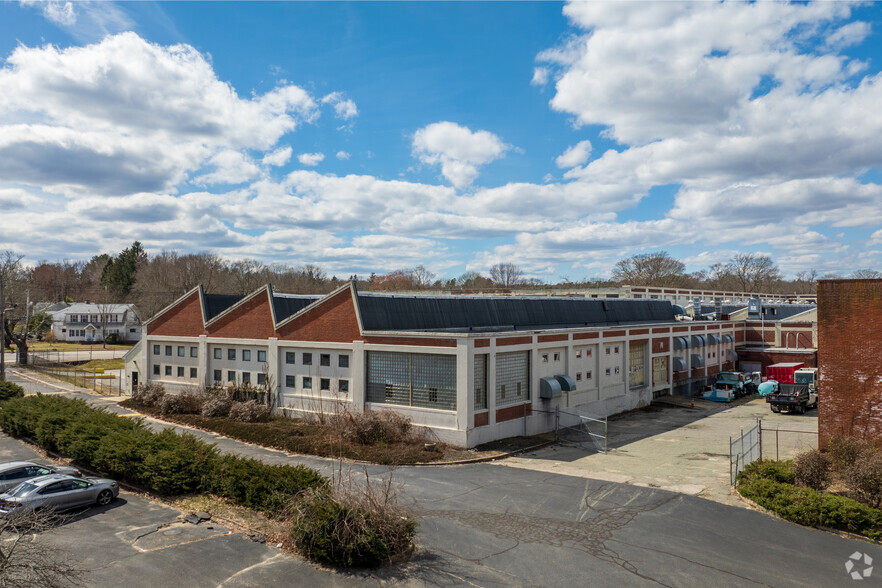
(506, 274)
(422, 277)
(10, 274)
(806, 281)
(866, 274)
(27, 560)
(649, 269)
(754, 272)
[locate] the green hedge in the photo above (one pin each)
(167, 463)
(9, 390)
(763, 482)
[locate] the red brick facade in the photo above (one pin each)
(334, 320)
(850, 359)
(182, 320)
(252, 319)
(513, 412)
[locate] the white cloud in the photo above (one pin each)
(231, 167)
(847, 35)
(311, 159)
(344, 108)
(575, 155)
(60, 12)
(279, 157)
(540, 76)
(459, 150)
(342, 155)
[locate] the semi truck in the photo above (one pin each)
(797, 396)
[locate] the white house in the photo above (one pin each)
(83, 322)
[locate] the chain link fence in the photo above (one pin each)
(745, 449)
(60, 366)
(581, 429)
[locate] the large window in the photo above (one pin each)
(636, 365)
(660, 370)
(480, 381)
(412, 379)
(512, 378)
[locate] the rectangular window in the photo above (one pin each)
(578, 376)
(181, 351)
(578, 353)
(343, 360)
(193, 373)
(231, 354)
(433, 395)
(218, 353)
(325, 383)
(218, 377)
(180, 371)
(512, 375)
(231, 376)
(616, 349)
(156, 369)
(325, 359)
(156, 350)
(289, 357)
(246, 377)
(168, 350)
(608, 350)
(481, 381)
(307, 383)
(246, 355)
(261, 379)
(194, 352)
(587, 353)
(290, 382)
(406, 378)
(261, 355)
(617, 370)
(660, 370)
(636, 370)
(588, 375)
(307, 359)
(344, 386)
(544, 358)
(168, 370)
(608, 372)
(557, 357)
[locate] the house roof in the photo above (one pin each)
(285, 305)
(92, 308)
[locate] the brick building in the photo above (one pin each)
(850, 359)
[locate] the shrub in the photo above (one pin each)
(149, 394)
(778, 471)
(864, 478)
(845, 451)
(9, 390)
(812, 469)
(353, 525)
(216, 406)
(372, 427)
(249, 412)
(49, 337)
(186, 402)
(176, 464)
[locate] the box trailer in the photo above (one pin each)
(783, 372)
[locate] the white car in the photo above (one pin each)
(13, 473)
(58, 492)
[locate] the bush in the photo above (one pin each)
(249, 412)
(49, 337)
(187, 402)
(353, 525)
(149, 394)
(778, 471)
(9, 390)
(864, 478)
(812, 469)
(845, 451)
(112, 339)
(372, 427)
(216, 406)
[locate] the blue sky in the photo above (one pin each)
(367, 137)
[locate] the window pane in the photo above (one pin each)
(194, 352)
(246, 355)
(217, 375)
(325, 359)
(168, 370)
(289, 357)
(481, 381)
(180, 371)
(261, 378)
(156, 350)
(218, 353)
(307, 382)
(231, 376)
(193, 372)
(181, 351)
(307, 359)
(344, 386)
(290, 382)
(325, 383)
(156, 370)
(261, 356)
(231, 354)
(168, 349)
(343, 361)
(412, 379)
(246, 377)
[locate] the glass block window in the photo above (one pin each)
(426, 380)
(512, 378)
(261, 355)
(481, 381)
(636, 369)
(660, 370)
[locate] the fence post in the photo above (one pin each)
(759, 434)
(556, 424)
(730, 460)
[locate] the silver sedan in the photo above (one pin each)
(58, 492)
(13, 473)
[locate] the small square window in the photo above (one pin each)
(557, 357)
(325, 359)
(231, 376)
(608, 350)
(168, 370)
(307, 383)
(307, 359)
(290, 382)
(156, 350)
(578, 376)
(544, 358)
(181, 351)
(344, 386)
(343, 361)
(587, 353)
(194, 352)
(608, 372)
(246, 377)
(261, 379)
(325, 383)
(433, 394)
(156, 369)
(578, 353)
(217, 376)
(616, 349)
(261, 355)
(588, 375)
(218, 353)
(180, 371)
(617, 369)
(231, 354)
(168, 350)
(246, 355)
(289, 357)
(193, 373)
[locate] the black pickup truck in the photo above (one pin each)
(793, 398)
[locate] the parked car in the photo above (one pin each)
(13, 473)
(59, 492)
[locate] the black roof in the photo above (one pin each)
(779, 312)
(394, 312)
(217, 303)
(727, 308)
(284, 305)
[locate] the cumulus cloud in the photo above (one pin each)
(575, 155)
(344, 108)
(231, 167)
(279, 157)
(311, 159)
(342, 155)
(458, 150)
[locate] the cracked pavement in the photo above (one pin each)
(480, 525)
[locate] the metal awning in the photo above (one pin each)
(697, 361)
(728, 339)
(681, 343)
(549, 387)
(679, 364)
(731, 355)
(698, 341)
(567, 384)
(713, 339)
